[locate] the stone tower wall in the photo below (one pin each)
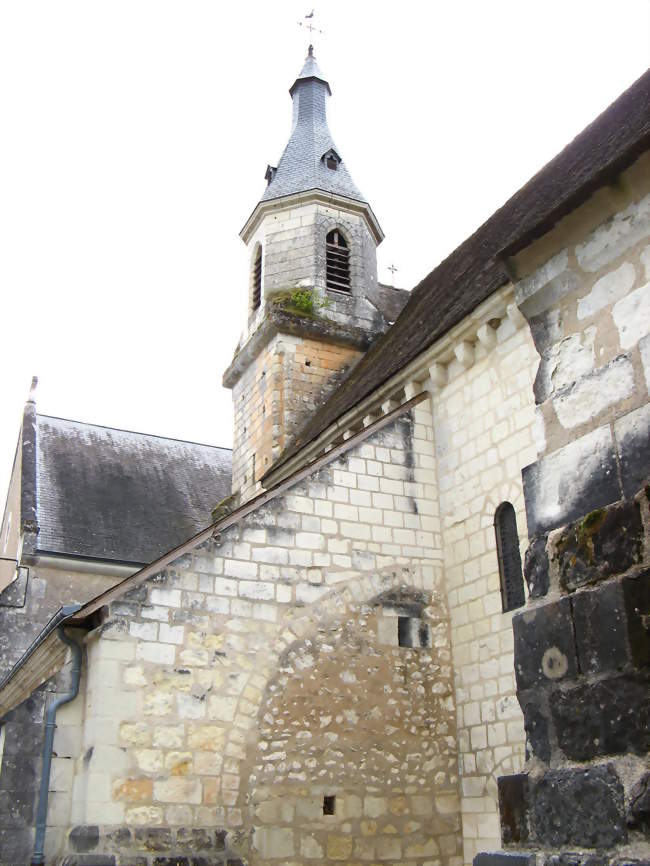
(286, 383)
(290, 375)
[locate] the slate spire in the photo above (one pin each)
(310, 160)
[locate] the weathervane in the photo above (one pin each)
(310, 24)
(393, 270)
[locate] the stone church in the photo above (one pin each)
(405, 621)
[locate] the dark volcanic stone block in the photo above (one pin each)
(536, 568)
(577, 858)
(639, 815)
(609, 717)
(600, 627)
(190, 839)
(513, 808)
(636, 592)
(604, 542)
(154, 838)
(84, 837)
(504, 858)
(171, 861)
(582, 808)
(16, 845)
(536, 723)
(544, 644)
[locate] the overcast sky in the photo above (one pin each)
(135, 136)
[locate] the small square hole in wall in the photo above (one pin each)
(307, 363)
(412, 632)
(329, 804)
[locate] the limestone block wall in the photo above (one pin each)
(483, 434)
(589, 310)
(272, 652)
(283, 385)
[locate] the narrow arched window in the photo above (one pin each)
(338, 262)
(512, 579)
(257, 279)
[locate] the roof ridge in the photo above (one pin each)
(134, 432)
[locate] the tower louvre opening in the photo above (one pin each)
(257, 279)
(337, 262)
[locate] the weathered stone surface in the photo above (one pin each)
(610, 240)
(192, 839)
(600, 625)
(513, 808)
(636, 594)
(609, 717)
(577, 858)
(565, 361)
(607, 290)
(607, 541)
(154, 838)
(639, 811)
(632, 316)
(632, 433)
(89, 860)
(585, 398)
(579, 807)
(544, 645)
(536, 568)
(84, 837)
(546, 286)
(571, 482)
(536, 724)
(504, 858)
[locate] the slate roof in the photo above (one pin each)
(475, 270)
(301, 168)
(115, 495)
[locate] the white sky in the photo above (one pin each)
(136, 133)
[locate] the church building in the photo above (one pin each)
(405, 620)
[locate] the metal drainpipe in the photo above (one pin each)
(38, 857)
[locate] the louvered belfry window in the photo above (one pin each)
(338, 262)
(512, 580)
(257, 279)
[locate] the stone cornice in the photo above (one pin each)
(310, 197)
(279, 321)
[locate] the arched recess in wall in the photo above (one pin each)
(346, 711)
(337, 260)
(256, 278)
(510, 571)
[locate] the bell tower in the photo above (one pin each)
(312, 286)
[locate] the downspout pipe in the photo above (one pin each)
(38, 857)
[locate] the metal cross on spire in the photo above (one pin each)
(308, 24)
(393, 270)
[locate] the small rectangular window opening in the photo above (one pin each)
(329, 804)
(404, 635)
(412, 632)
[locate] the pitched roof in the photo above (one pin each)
(115, 495)
(475, 269)
(301, 167)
